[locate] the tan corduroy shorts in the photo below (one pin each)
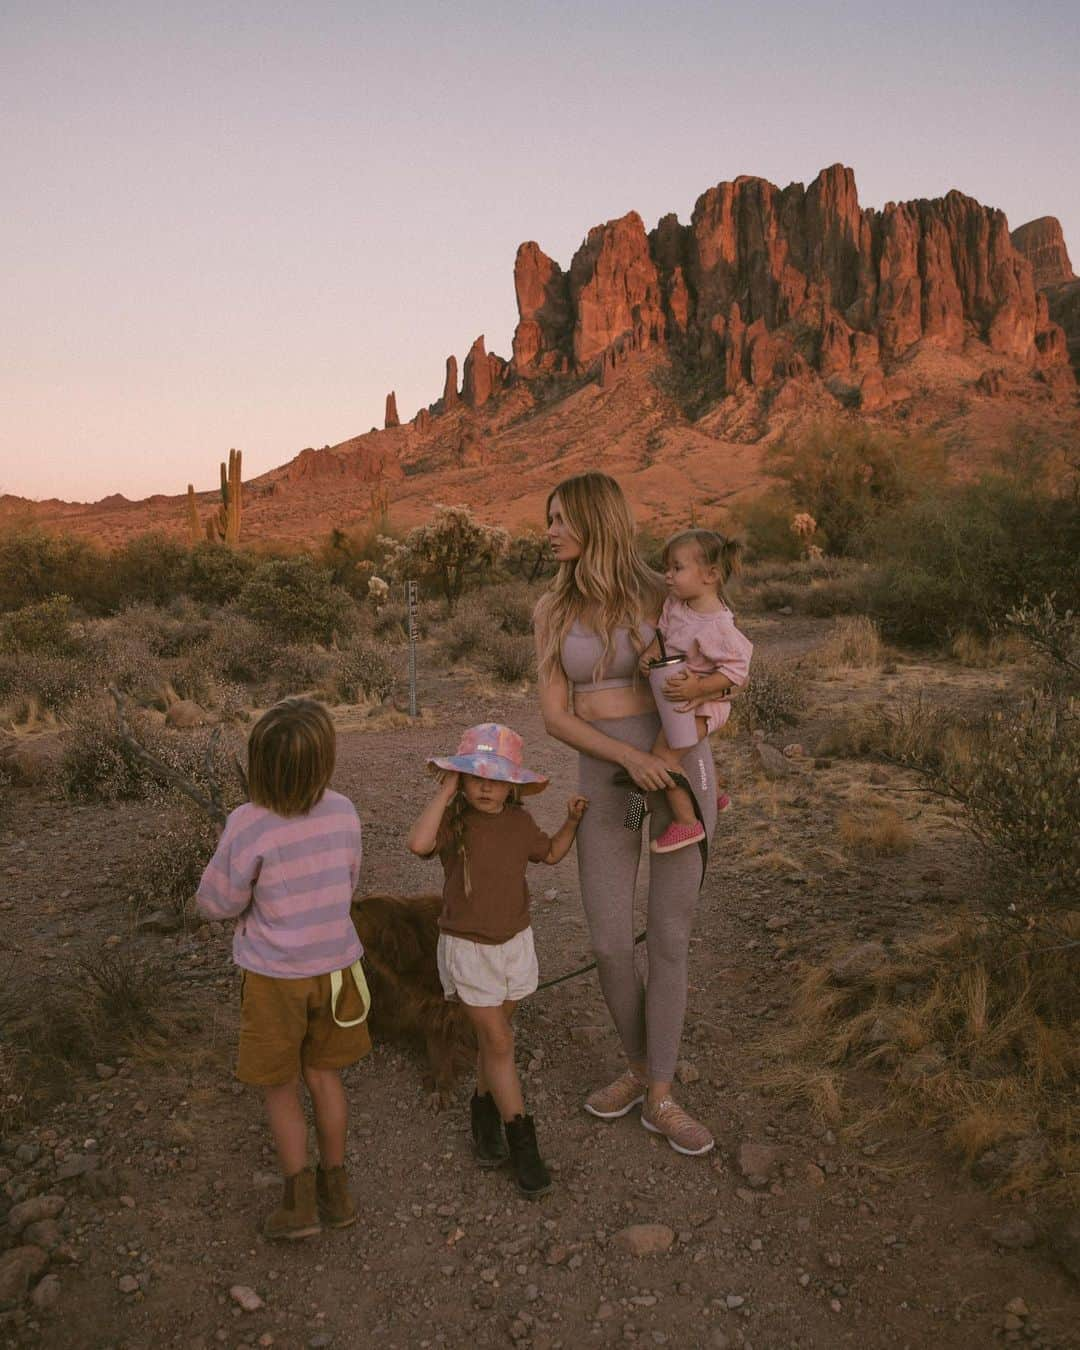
(288, 1025)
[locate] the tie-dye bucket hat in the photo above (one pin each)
(492, 751)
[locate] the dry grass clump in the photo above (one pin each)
(855, 644)
(980, 653)
(975, 1038)
(104, 1005)
(909, 729)
(879, 833)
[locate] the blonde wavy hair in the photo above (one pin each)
(609, 583)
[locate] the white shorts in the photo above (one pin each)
(486, 974)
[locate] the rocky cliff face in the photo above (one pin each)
(1043, 244)
(766, 284)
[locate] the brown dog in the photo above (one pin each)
(400, 934)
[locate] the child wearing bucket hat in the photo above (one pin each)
(485, 839)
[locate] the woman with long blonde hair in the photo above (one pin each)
(591, 626)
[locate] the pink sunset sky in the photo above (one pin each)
(241, 225)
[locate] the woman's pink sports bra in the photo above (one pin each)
(582, 648)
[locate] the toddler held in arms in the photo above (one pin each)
(697, 622)
(485, 839)
(286, 867)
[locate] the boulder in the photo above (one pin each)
(185, 713)
(17, 1268)
(31, 1211)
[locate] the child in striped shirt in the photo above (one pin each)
(286, 867)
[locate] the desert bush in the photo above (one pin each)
(217, 574)
(297, 669)
(961, 560)
(468, 631)
(847, 475)
(511, 657)
(878, 833)
(237, 651)
(150, 567)
(821, 587)
(981, 653)
(125, 657)
(529, 557)
(510, 606)
(766, 524)
(444, 555)
(365, 672)
(773, 697)
(297, 601)
(854, 643)
(57, 681)
(7, 796)
(35, 565)
(169, 867)
(42, 626)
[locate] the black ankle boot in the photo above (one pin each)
(489, 1142)
(532, 1176)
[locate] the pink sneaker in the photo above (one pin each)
(618, 1098)
(678, 836)
(723, 801)
(685, 1134)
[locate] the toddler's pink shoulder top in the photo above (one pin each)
(711, 641)
(289, 882)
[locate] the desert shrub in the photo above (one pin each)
(169, 867)
(124, 656)
(1052, 631)
(35, 565)
(57, 681)
(236, 650)
(391, 623)
(7, 797)
(511, 657)
(855, 643)
(529, 557)
(217, 574)
(961, 560)
(510, 606)
(151, 567)
(296, 599)
(849, 475)
(444, 555)
(774, 697)
(467, 631)
(766, 524)
(365, 672)
(878, 833)
(821, 587)
(981, 653)
(43, 626)
(297, 669)
(98, 764)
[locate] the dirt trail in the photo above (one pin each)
(807, 1241)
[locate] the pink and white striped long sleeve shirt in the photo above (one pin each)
(288, 881)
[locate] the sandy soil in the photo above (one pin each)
(166, 1170)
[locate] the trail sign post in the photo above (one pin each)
(411, 597)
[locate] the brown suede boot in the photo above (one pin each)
(296, 1216)
(336, 1208)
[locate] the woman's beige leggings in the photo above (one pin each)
(649, 1019)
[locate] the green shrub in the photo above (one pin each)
(448, 552)
(766, 523)
(961, 560)
(365, 672)
(297, 601)
(151, 567)
(510, 606)
(42, 626)
(35, 565)
(847, 475)
(217, 574)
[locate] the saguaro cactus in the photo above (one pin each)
(223, 525)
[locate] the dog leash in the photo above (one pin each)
(573, 974)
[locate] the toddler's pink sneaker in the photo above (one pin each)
(678, 836)
(723, 801)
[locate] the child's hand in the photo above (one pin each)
(576, 808)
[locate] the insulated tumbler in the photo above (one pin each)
(680, 728)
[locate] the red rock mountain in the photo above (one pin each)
(673, 356)
(1043, 244)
